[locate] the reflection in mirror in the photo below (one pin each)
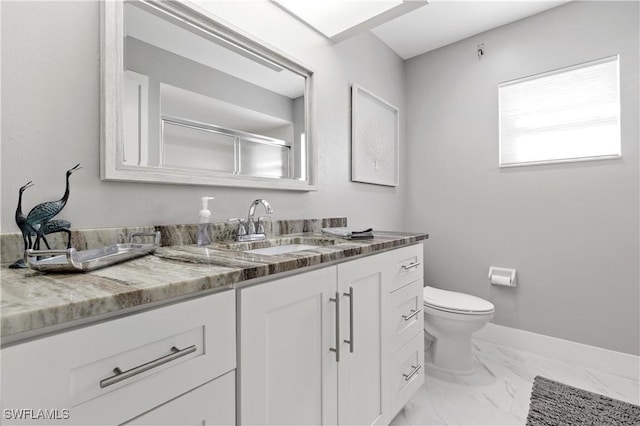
(204, 104)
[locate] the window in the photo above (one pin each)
(571, 114)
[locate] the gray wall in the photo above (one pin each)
(571, 230)
(50, 109)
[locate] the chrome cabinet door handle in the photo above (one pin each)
(123, 375)
(414, 312)
(415, 370)
(337, 348)
(410, 266)
(350, 341)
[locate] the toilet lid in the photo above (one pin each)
(455, 302)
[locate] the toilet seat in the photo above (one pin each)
(454, 302)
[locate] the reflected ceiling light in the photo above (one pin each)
(341, 19)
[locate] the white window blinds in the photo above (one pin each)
(571, 114)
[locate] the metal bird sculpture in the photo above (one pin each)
(51, 227)
(21, 221)
(44, 212)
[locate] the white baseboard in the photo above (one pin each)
(612, 362)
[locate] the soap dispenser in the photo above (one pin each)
(204, 227)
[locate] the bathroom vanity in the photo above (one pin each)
(337, 345)
(327, 335)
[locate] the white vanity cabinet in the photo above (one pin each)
(341, 344)
(138, 369)
(405, 325)
(289, 330)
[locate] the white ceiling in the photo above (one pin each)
(443, 22)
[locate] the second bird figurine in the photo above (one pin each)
(42, 213)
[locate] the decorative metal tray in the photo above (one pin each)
(70, 260)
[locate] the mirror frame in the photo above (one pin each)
(112, 100)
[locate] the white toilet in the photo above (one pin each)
(450, 318)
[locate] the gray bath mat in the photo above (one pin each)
(557, 404)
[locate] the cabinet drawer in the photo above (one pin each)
(210, 404)
(407, 321)
(407, 373)
(160, 354)
(100, 377)
(407, 263)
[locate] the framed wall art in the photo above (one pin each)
(374, 139)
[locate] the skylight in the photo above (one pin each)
(341, 19)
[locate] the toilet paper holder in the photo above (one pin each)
(502, 276)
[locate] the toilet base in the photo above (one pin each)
(452, 354)
(451, 333)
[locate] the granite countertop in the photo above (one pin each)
(31, 301)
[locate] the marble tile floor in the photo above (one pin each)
(498, 392)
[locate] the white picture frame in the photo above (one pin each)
(375, 134)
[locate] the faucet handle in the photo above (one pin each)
(241, 228)
(261, 220)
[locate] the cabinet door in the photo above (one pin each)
(363, 370)
(288, 375)
(210, 404)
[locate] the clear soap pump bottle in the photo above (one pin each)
(204, 227)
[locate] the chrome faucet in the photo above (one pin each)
(253, 231)
(251, 222)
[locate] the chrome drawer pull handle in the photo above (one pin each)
(415, 370)
(337, 348)
(413, 314)
(123, 375)
(413, 265)
(350, 341)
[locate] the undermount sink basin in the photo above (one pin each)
(281, 245)
(287, 248)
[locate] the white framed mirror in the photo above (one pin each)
(186, 99)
